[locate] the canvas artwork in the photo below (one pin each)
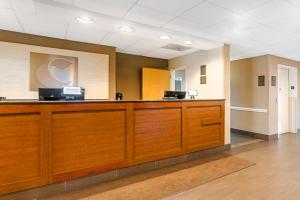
(52, 71)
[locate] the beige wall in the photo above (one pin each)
(213, 59)
(246, 93)
(93, 71)
(218, 76)
(129, 73)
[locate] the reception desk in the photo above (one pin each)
(47, 142)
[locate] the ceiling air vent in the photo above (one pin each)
(176, 47)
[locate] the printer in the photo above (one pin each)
(65, 93)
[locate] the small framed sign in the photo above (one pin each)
(203, 70)
(261, 80)
(203, 80)
(273, 80)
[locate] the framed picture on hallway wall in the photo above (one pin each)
(261, 80)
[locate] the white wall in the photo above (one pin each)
(93, 71)
(213, 59)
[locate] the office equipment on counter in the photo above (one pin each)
(119, 96)
(73, 93)
(50, 94)
(66, 93)
(193, 93)
(169, 95)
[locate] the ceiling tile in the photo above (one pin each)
(115, 8)
(4, 4)
(119, 40)
(8, 20)
(240, 6)
(23, 5)
(65, 1)
(148, 16)
(207, 14)
(142, 47)
(237, 52)
(272, 11)
(42, 25)
(55, 13)
(85, 33)
(170, 7)
(160, 53)
(288, 24)
(294, 2)
(185, 26)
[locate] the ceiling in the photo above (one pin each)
(251, 27)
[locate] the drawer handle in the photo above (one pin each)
(210, 122)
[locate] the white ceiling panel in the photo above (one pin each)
(8, 20)
(65, 1)
(170, 7)
(160, 53)
(85, 33)
(207, 14)
(185, 26)
(119, 40)
(23, 5)
(295, 2)
(273, 10)
(252, 26)
(141, 47)
(238, 52)
(42, 25)
(54, 13)
(4, 4)
(239, 6)
(115, 8)
(288, 24)
(147, 16)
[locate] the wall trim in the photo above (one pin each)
(89, 181)
(255, 135)
(259, 110)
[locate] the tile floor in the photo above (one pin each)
(276, 175)
(238, 140)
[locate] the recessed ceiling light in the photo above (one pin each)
(165, 37)
(127, 29)
(85, 20)
(188, 42)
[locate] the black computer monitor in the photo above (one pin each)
(175, 94)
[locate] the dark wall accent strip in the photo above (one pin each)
(255, 135)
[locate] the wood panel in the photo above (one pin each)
(19, 151)
(129, 73)
(157, 133)
(87, 140)
(46, 143)
(154, 83)
(204, 127)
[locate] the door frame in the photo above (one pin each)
(172, 80)
(293, 96)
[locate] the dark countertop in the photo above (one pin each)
(35, 101)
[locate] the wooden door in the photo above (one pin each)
(154, 83)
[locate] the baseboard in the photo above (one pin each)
(88, 181)
(255, 135)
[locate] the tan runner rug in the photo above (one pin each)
(165, 182)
